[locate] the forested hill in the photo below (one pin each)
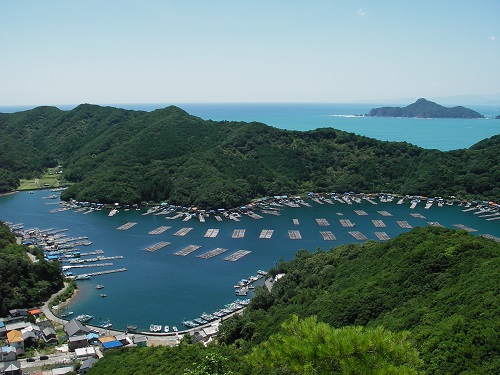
(423, 108)
(115, 155)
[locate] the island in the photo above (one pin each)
(424, 108)
(497, 118)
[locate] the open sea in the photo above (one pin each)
(165, 289)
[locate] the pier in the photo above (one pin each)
(160, 230)
(404, 224)
(64, 268)
(346, 223)
(218, 218)
(358, 235)
(328, 236)
(212, 253)
(126, 226)
(238, 233)
(370, 200)
(253, 215)
(266, 233)
(323, 222)
(491, 237)
(294, 235)
(384, 213)
(187, 250)
(435, 224)
(106, 272)
(182, 232)
(237, 255)
(464, 227)
(378, 223)
(156, 247)
(418, 216)
(173, 217)
(382, 236)
(95, 252)
(361, 212)
(211, 233)
(97, 259)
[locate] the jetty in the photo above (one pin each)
(358, 235)
(294, 235)
(96, 259)
(266, 233)
(435, 224)
(237, 255)
(64, 268)
(106, 272)
(238, 233)
(95, 252)
(491, 237)
(382, 236)
(295, 221)
(464, 227)
(126, 226)
(160, 230)
(212, 253)
(370, 200)
(271, 212)
(379, 223)
(323, 222)
(211, 233)
(187, 250)
(384, 213)
(253, 215)
(328, 236)
(218, 218)
(418, 216)
(413, 204)
(469, 209)
(156, 247)
(346, 223)
(493, 218)
(173, 217)
(361, 212)
(182, 232)
(404, 224)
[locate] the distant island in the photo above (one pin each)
(497, 118)
(423, 108)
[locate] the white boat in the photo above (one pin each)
(167, 328)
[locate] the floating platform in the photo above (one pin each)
(212, 253)
(361, 212)
(491, 237)
(106, 272)
(160, 230)
(346, 223)
(435, 224)
(418, 216)
(187, 250)
(95, 252)
(370, 200)
(294, 235)
(328, 236)
(382, 236)
(211, 233)
(384, 213)
(253, 215)
(358, 235)
(238, 233)
(323, 222)
(218, 218)
(464, 227)
(404, 224)
(378, 223)
(173, 217)
(237, 255)
(156, 247)
(266, 233)
(295, 221)
(126, 226)
(182, 232)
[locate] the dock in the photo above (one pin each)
(266, 233)
(328, 236)
(464, 227)
(418, 216)
(382, 236)
(323, 222)
(237, 255)
(253, 215)
(160, 230)
(413, 204)
(358, 235)
(106, 272)
(126, 226)
(295, 221)
(64, 268)
(346, 223)
(218, 218)
(173, 217)
(361, 212)
(370, 200)
(211, 233)
(95, 252)
(404, 224)
(384, 213)
(182, 232)
(435, 224)
(156, 247)
(378, 223)
(238, 233)
(187, 250)
(212, 253)
(491, 237)
(294, 235)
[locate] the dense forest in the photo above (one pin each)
(427, 301)
(115, 155)
(24, 283)
(423, 108)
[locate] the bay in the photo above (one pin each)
(162, 288)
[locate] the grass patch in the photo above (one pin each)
(51, 179)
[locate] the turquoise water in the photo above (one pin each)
(162, 288)
(441, 134)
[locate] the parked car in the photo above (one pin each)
(44, 357)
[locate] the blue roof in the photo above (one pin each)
(112, 344)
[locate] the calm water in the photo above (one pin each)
(441, 134)
(162, 288)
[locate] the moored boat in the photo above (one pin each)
(83, 318)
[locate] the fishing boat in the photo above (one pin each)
(131, 328)
(106, 324)
(189, 324)
(83, 318)
(175, 329)
(66, 314)
(167, 328)
(103, 295)
(99, 286)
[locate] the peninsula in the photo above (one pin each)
(424, 108)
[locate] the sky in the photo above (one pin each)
(188, 51)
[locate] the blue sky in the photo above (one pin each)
(104, 52)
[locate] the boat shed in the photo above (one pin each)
(111, 344)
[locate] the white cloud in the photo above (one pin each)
(492, 38)
(361, 12)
